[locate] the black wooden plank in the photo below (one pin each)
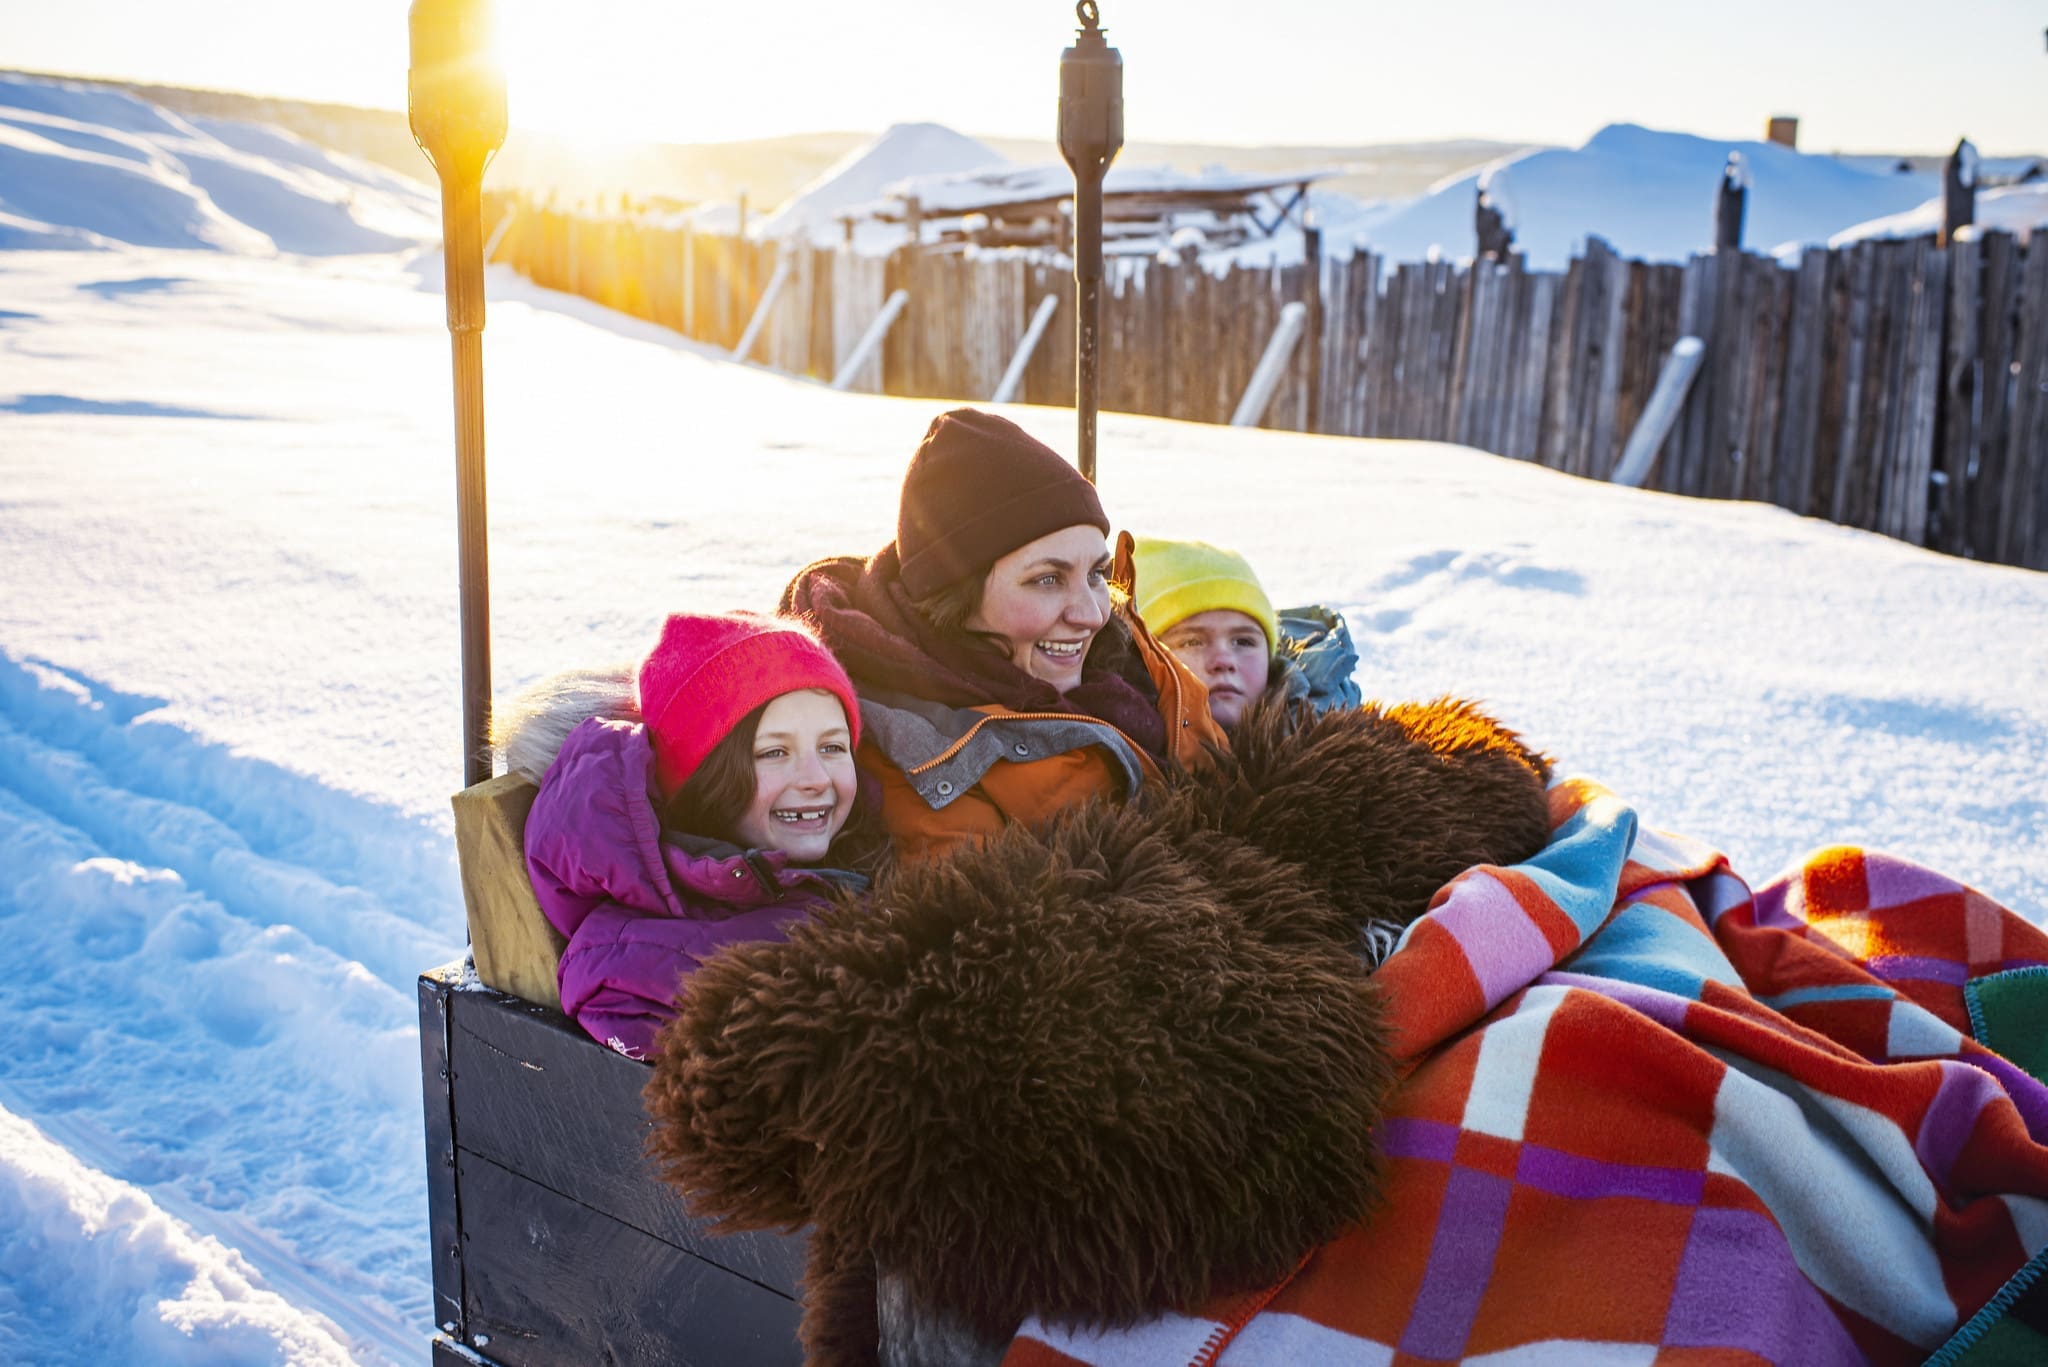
(552, 1283)
(535, 1094)
(448, 1353)
(443, 1212)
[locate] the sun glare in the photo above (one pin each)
(637, 70)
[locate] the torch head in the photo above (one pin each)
(456, 93)
(1091, 129)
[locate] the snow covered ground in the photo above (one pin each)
(230, 713)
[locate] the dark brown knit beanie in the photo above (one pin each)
(978, 488)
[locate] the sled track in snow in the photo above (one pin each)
(207, 972)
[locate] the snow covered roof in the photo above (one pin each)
(862, 175)
(2016, 209)
(1025, 188)
(1650, 194)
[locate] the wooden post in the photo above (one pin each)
(1958, 191)
(689, 281)
(1013, 376)
(1660, 413)
(765, 307)
(741, 231)
(913, 219)
(1266, 378)
(871, 340)
(1491, 227)
(1730, 203)
(1312, 292)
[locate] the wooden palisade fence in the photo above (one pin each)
(1895, 386)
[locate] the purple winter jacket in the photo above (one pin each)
(642, 911)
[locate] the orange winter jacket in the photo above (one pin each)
(952, 774)
(964, 769)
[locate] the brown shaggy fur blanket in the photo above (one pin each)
(1098, 1069)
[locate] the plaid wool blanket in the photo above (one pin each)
(1651, 1117)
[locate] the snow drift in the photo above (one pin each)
(83, 166)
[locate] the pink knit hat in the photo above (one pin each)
(706, 673)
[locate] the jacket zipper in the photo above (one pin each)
(975, 729)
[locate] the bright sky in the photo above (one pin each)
(1892, 75)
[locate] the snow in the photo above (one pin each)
(860, 177)
(84, 166)
(1650, 194)
(2015, 209)
(230, 710)
(189, 1300)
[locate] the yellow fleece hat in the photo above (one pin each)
(1177, 579)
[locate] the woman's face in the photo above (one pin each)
(803, 777)
(1229, 652)
(1046, 600)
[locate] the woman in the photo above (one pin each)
(1002, 676)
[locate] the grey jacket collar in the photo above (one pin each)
(913, 733)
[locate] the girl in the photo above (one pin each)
(1002, 673)
(729, 811)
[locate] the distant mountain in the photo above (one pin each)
(769, 171)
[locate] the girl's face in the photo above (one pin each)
(1046, 600)
(1229, 652)
(803, 777)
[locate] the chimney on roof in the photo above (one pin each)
(1783, 129)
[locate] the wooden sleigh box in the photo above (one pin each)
(554, 1245)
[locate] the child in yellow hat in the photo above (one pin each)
(1205, 604)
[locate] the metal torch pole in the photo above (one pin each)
(1091, 132)
(456, 104)
(1087, 312)
(462, 237)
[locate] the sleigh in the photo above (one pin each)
(553, 1240)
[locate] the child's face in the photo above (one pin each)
(1228, 651)
(803, 777)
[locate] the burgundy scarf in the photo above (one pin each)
(864, 615)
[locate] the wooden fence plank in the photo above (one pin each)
(1888, 385)
(1956, 421)
(2026, 486)
(1604, 447)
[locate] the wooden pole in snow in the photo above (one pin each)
(1013, 375)
(1266, 378)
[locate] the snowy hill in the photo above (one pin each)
(1650, 194)
(83, 166)
(859, 177)
(230, 703)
